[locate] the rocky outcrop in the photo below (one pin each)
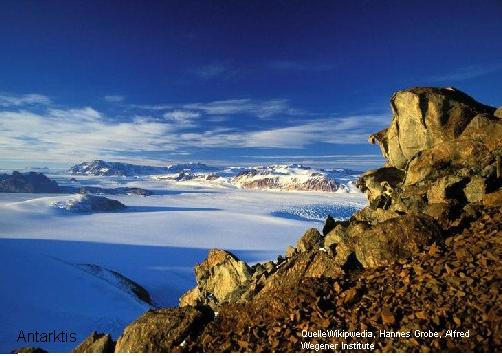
(424, 255)
(163, 330)
(424, 117)
(31, 182)
(311, 240)
(391, 240)
(95, 342)
(222, 277)
(86, 203)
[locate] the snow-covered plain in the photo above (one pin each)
(155, 241)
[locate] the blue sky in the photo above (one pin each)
(228, 82)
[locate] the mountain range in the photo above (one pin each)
(280, 177)
(104, 168)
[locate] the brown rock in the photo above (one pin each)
(475, 189)
(311, 240)
(447, 158)
(493, 199)
(222, 277)
(163, 330)
(394, 239)
(95, 342)
(424, 117)
(387, 317)
(485, 128)
(445, 188)
(290, 251)
(374, 216)
(380, 182)
(335, 236)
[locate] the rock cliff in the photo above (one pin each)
(424, 255)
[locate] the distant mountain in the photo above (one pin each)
(292, 177)
(104, 168)
(31, 182)
(190, 167)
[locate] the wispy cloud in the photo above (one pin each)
(465, 73)
(182, 118)
(260, 108)
(63, 135)
(336, 130)
(114, 98)
(77, 133)
(24, 99)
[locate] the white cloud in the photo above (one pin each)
(262, 109)
(114, 98)
(182, 118)
(25, 99)
(74, 134)
(344, 130)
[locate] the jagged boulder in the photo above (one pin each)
(222, 277)
(445, 188)
(102, 343)
(372, 216)
(163, 330)
(379, 185)
(485, 128)
(311, 240)
(384, 243)
(424, 117)
(309, 264)
(400, 237)
(475, 190)
(493, 199)
(455, 158)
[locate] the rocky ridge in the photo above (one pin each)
(105, 168)
(424, 255)
(31, 182)
(87, 203)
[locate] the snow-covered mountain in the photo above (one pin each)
(279, 177)
(104, 168)
(292, 177)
